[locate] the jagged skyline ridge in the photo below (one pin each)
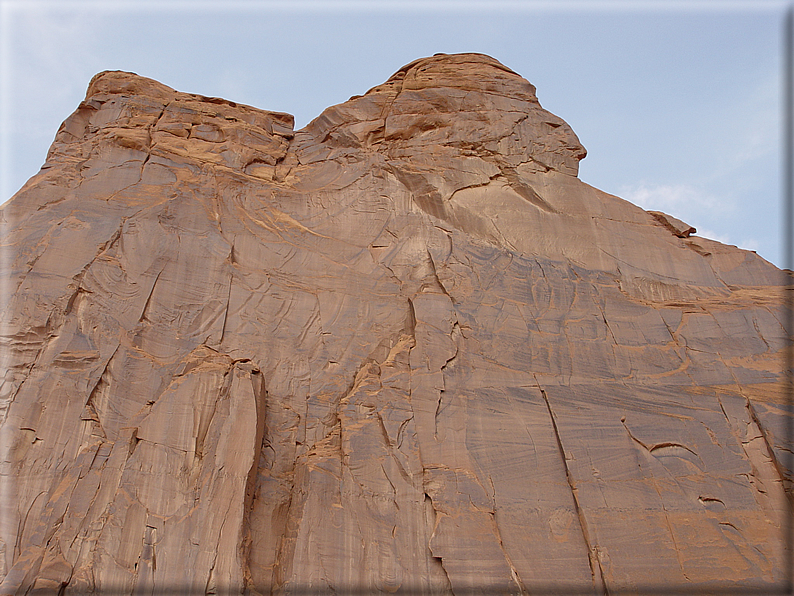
(653, 98)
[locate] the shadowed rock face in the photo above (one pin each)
(404, 348)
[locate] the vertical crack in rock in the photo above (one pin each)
(606, 324)
(90, 403)
(434, 271)
(508, 560)
(145, 308)
(760, 335)
(431, 516)
(431, 513)
(260, 396)
(454, 337)
(599, 582)
(650, 449)
(285, 547)
(785, 481)
(226, 309)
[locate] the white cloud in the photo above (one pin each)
(714, 236)
(670, 198)
(749, 244)
(692, 205)
(752, 125)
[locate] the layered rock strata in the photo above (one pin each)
(404, 349)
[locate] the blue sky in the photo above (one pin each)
(678, 103)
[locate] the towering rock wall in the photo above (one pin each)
(404, 348)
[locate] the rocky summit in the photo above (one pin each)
(402, 350)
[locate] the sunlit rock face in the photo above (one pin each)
(402, 349)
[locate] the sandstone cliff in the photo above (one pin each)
(402, 349)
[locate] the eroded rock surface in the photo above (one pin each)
(402, 349)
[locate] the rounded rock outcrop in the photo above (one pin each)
(404, 349)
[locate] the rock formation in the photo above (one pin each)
(404, 349)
